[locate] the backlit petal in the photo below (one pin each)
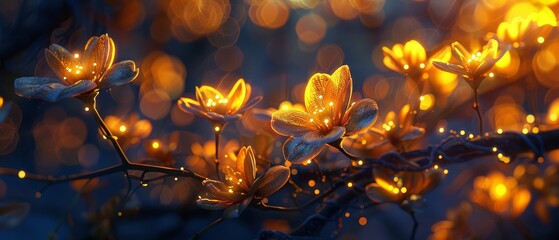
(297, 151)
(50, 89)
(360, 116)
(413, 133)
(204, 93)
(415, 53)
(391, 61)
(318, 137)
(236, 96)
(218, 190)
(120, 73)
(460, 53)
(272, 181)
(291, 122)
(246, 165)
(452, 68)
(379, 194)
(57, 58)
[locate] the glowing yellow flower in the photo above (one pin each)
(409, 59)
(241, 185)
(78, 74)
(500, 194)
(213, 105)
(328, 116)
(397, 132)
(521, 32)
(473, 67)
(404, 188)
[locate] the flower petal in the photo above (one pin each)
(236, 97)
(100, 52)
(238, 208)
(360, 116)
(246, 165)
(329, 92)
(58, 58)
(460, 53)
(272, 181)
(204, 93)
(320, 137)
(378, 194)
(291, 122)
(391, 61)
(218, 190)
(212, 204)
(223, 118)
(451, 68)
(414, 53)
(191, 106)
(297, 151)
(50, 89)
(413, 133)
(120, 73)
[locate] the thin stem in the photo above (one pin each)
(206, 228)
(107, 133)
(476, 107)
(415, 223)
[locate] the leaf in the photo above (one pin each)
(11, 214)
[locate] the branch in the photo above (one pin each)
(455, 149)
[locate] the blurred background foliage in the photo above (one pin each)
(275, 45)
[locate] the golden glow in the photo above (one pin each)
(530, 118)
(155, 144)
(362, 221)
(426, 102)
(441, 130)
(500, 190)
(216, 129)
(122, 128)
(349, 184)
(1, 102)
(21, 174)
(312, 183)
(408, 59)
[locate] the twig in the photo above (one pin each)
(476, 107)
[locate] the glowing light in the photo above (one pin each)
(155, 145)
(525, 131)
(500, 190)
(122, 128)
(21, 174)
(441, 130)
(217, 129)
(316, 192)
(360, 162)
(312, 183)
(500, 131)
(404, 190)
(462, 132)
(347, 214)
(530, 118)
(494, 149)
(541, 39)
(491, 74)
(349, 184)
(436, 166)
(362, 221)
(86, 109)
(76, 55)
(144, 184)
(445, 171)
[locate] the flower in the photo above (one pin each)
(473, 67)
(500, 194)
(241, 185)
(525, 32)
(397, 132)
(328, 116)
(213, 105)
(402, 187)
(78, 74)
(409, 59)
